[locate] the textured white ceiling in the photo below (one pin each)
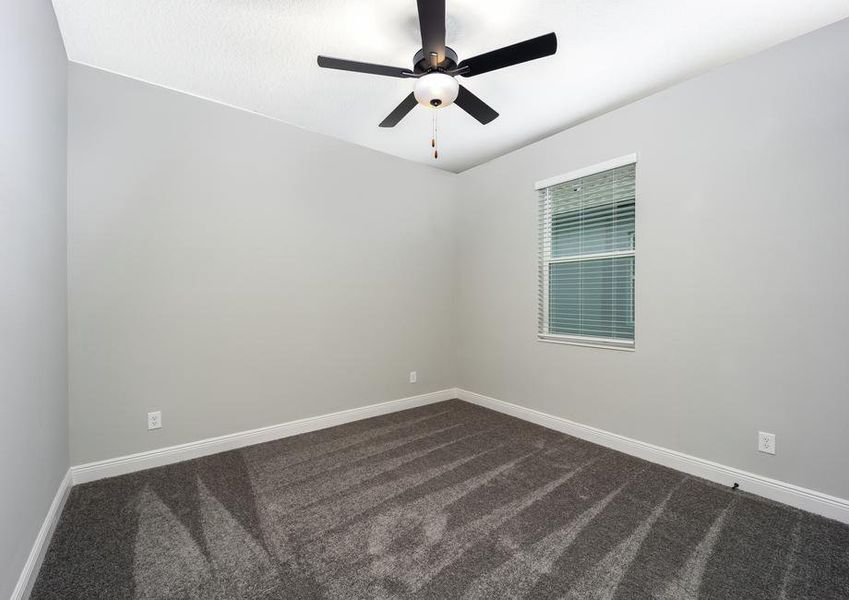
(260, 55)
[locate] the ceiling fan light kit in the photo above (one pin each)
(436, 67)
(436, 90)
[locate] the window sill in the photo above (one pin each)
(623, 345)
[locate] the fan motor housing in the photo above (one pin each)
(422, 64)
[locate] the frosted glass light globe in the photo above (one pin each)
(436, 90)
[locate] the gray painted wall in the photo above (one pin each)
(742, 278)
(33, 383)
(236, 272)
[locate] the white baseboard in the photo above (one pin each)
(173, 454)
(42, 541)
(786, 493)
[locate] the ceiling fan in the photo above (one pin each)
(435, 67)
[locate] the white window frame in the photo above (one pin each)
(546, 261)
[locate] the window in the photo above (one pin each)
(586, 255)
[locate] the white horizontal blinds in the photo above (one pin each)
(587, 247)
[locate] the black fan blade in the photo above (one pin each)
(544, 45)
(360, 67)
(432, 25)
(407, 104)
(475, 106)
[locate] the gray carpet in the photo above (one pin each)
(444, 501)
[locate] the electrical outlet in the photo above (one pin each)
(154, 420)
(766, 442)
(412, 376)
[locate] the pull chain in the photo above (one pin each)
(433, 130)
(433, 137)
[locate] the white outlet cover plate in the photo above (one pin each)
(154, 420)
(413, 376)
(766, 442)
